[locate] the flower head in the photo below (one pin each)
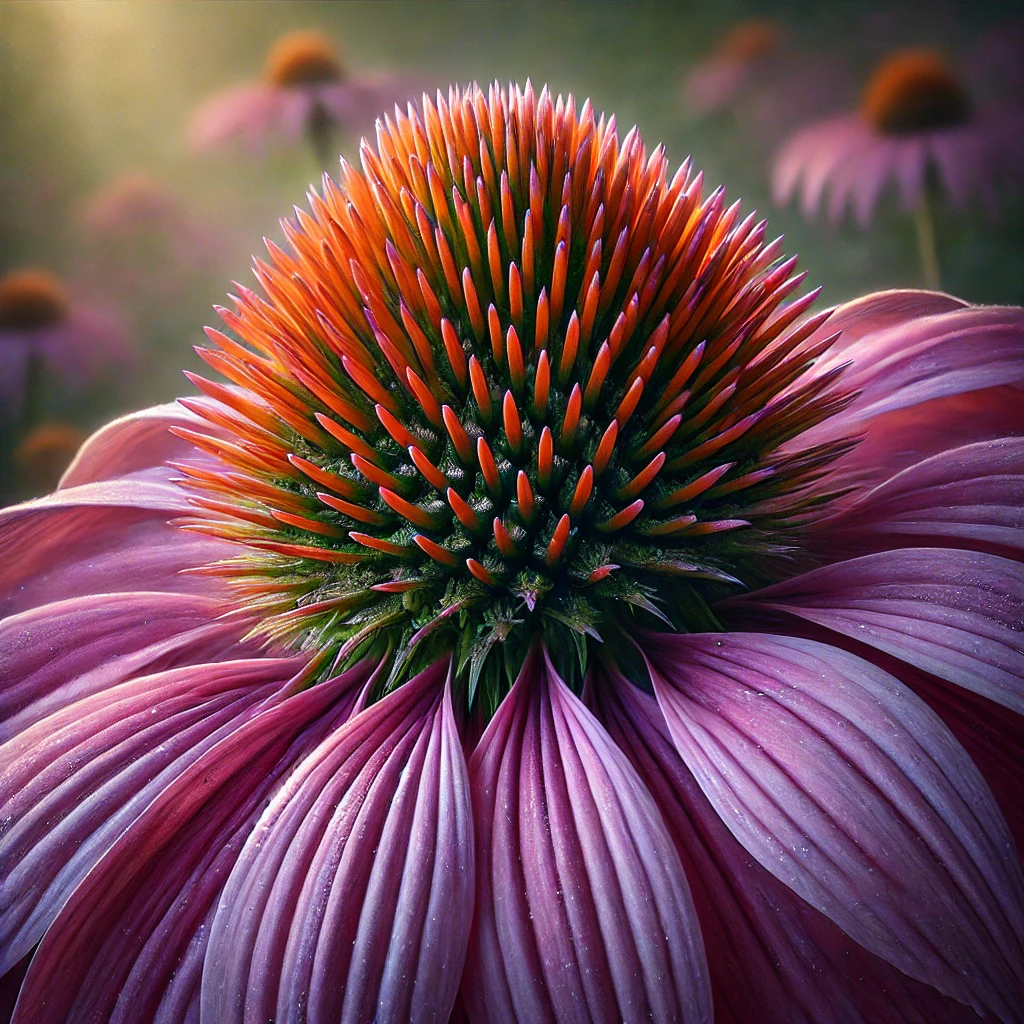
(914, 91)
(42, 327)
(31, 300)
(303, 59)
(573, 431)
(917, 118)
(349, 747)
(306, 92)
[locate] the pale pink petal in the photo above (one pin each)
(923, 359)
(131, 443)
(74, 781)
(250, 114)
(971, 496)
(848, 788)
(810, 157)
(879, 311)
(583, 912)
(116, 951)
(352, 900)
(954, 614)
(910, 165)
(771, 955)
(714, 83)
(875, 172)
(105, 536)
(55, 654)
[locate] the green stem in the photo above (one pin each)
(321, 137)
(925, 224)
(33, 390)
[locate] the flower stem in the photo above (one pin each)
(33, 390)
(925, 224)
(321, 137)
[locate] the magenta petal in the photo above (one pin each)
(954, 614)
(55, 554)
(972, 496)
(119, 946)
(929, 357)
(848, 788)
(771, 955)
(352, 899)
(878, 312)
(72, 783)
(583, 912)
(131, 443)
(61, 652)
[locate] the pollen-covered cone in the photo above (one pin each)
(548, 620)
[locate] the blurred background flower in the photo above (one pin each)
(43, 455)
(45, 333)
(307, 92)
(917, 127)
(765, 80)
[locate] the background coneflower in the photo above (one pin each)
(918, 127)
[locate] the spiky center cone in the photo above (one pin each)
(303, 58)
(31, 300)
(914, 91)
(511, 382)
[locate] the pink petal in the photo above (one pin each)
(249, 113)
(810, 155)
(583, 912)
(73, 782)
(954, 614)
(910, 164)
(59, 653)
(848, 788)
(53, 552)
(972, 496)
(771, 955)
(132, 443)
(879, 311)
(352, 899)
(923, 359)
(127, 946)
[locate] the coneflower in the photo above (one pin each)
(567, 626)
(917, 127)
(43, 331)
(306, 93)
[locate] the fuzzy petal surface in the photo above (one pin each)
(352, 899)
(583, 912)
(849, 789)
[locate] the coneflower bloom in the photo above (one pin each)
(715, 82)
(522, 633)
(917, 121)
(306, 93)
(42, 456)
(44, 331)
(757, 73)
(141, 240)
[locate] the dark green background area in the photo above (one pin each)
(92, 89)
